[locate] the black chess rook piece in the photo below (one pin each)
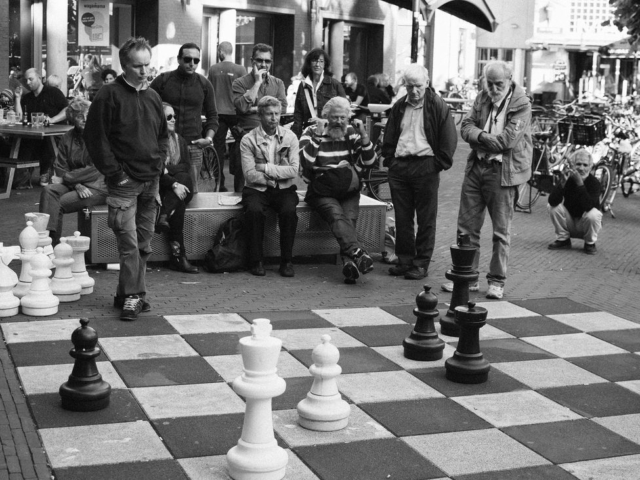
(423, 344)
(85, 391)
(461, 274)
(467, 364)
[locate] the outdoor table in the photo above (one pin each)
(17, 132)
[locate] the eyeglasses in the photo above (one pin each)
(319, 61)
(196, 61)
(172, 116)
(262, 60)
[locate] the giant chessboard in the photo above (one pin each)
(562, 400)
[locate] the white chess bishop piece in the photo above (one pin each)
(28, 242)
(257, 455)
(9, 303)
(324, 410)
(40, 301)
(63, 284)
(79, 268)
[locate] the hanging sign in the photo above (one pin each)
(93, 23)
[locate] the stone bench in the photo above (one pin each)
(205, 215)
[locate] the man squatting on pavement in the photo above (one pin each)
(127, 138)
(332, 155)
(498, 130)
(419, 141)
(270, 163)
(574, 203)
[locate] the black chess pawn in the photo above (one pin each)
(461, 274)
(424, 344)
(85, 391)
(467, 364)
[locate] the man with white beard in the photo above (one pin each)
(333, 154)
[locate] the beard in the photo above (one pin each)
(337, 132)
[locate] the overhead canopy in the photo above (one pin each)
(476, 12)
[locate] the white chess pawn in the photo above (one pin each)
(257, 455)
(40, 301)
(324, 410)
(9, 303)
(29, 242)
(63, 284)
(79, 268)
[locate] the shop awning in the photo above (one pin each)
(476, 12)
(621, 48)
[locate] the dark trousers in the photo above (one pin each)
(342, 217)
(414, 186)
(256, 204)
(225, 122)
(235, 167)
(172, 203)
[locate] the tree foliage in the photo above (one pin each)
(627, 15)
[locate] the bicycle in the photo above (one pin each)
(375, 182)
(209, 178)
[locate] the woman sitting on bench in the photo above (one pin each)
(176, 191)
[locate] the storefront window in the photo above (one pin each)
(486, 55)
(251, 29)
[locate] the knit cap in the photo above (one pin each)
(8, 93)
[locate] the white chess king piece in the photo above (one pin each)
(79, 268)
(257, 455)
(29, 242)
(9, 303)
(63, 284)
(324, 410)
(40, 301)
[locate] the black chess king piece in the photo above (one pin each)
(85, 391)
(424, 344)
(461, 274)
(467, 364)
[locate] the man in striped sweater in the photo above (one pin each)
(332, 156)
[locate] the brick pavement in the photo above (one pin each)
(607, 281)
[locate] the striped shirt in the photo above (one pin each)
(320, 152)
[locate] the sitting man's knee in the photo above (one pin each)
(593, 215)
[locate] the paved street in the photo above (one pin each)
(607, 282)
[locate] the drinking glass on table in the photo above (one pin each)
(11, 116)
(34, 120)
(41, 119)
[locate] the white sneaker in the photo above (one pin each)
(448, 287)
(495, 291)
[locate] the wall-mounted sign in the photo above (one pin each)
(93, 23)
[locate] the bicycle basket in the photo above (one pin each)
(587, 130)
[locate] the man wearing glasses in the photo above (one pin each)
(419, 141)
(190, 94)
(247, 91)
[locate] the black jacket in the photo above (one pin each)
(301, 114)
(577, 199)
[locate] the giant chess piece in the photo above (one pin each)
(85, 391)
(257, 455)
(40, 222)
(63, 284)
(324, 410)
(424, 344)
(28, 242)
(79, 269)
(40, 301)
(9, 303)
(467, 364)
(462, 275)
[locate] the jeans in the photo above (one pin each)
(57, 199)
(176, 208)
(587, 227)
(414, 190)
(482, 192)
(225, 122)
(256, 204)
(238, 174)
(195, 155)
(342, 217)
(132, 216)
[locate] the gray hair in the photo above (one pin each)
(77, 106)
(582, 152)
(506, 69)
(334, 103)
(415, 71)
(266, 102)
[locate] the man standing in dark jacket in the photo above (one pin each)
(191, 95)
(419, 141)
(573, 205)
(127, 138)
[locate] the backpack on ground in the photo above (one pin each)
(229, 251)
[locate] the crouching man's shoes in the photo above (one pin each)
(590, 248)
(258, 270)
(286, 269)
(560, 245)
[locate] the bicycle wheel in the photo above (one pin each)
(377, 182)
(209, 178)
(605, 175)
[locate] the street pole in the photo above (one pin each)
(415, 31)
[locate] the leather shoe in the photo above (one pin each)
(286, 269)
(560, 245)
(399, 270)
(590, 248)
(416, 273)
(162, 225)
(181, 264)
(258, 270)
